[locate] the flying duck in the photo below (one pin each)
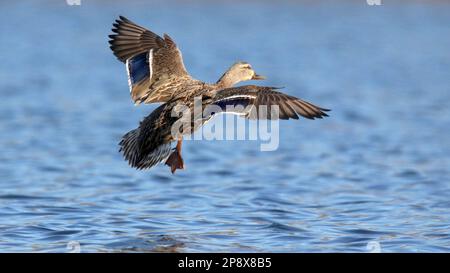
(156, 74)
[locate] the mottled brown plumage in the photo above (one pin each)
(167, 69)
(157, 74)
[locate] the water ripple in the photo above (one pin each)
(376, 171)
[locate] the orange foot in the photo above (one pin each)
(175, 161)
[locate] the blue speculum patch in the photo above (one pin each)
(232, 102)
(138, 67)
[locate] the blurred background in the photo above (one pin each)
(374, 176)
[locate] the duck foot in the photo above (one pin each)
(175, 161)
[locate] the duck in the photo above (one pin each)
(156, 74)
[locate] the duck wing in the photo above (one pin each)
(257, 102)
(151, 61)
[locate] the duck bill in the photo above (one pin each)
(258, 77)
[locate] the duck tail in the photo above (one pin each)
(136, 157)
(129, 147)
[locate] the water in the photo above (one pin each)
(376, 171)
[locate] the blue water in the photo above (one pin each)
(377, 170)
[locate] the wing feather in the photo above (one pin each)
(253, 97)
(166, 63)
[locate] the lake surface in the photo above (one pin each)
(374, 176)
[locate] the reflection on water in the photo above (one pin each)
(376, 171)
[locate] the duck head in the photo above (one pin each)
(238, 72)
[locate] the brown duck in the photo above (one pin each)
(156, 74)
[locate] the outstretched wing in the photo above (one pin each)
(256, 102)
(151, 61)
